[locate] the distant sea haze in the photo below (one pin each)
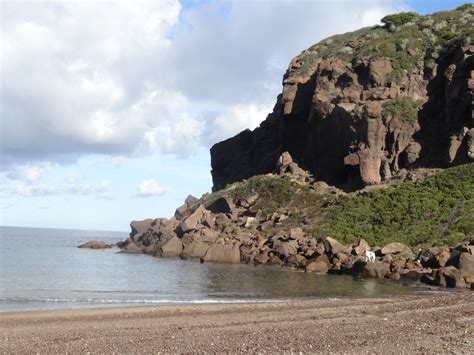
(44, 269)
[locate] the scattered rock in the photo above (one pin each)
(95, 244)
(398, 248)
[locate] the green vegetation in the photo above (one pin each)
(402, 107)
(438, 211)
(273, 192)
(464, 7)
(412, 41)
(400, 18)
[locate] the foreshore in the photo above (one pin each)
(434, 323)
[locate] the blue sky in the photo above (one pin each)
(108, 111)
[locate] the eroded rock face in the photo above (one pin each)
(340, 116)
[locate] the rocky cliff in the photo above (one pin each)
(359, 107)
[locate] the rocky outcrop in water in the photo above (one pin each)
(359, 107)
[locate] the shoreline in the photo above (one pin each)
(422, 323)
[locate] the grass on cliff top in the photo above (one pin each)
(437, 211)
(408, 39)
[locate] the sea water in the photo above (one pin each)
(44, 269)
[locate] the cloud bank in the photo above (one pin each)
(127, 78)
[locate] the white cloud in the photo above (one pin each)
(237, 118)
(29, 172)
(123, 78)
(72, 187)
(149, 188)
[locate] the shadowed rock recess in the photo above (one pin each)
(367, 153)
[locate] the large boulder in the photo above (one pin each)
(95, 244)
(285, 248)
(399, 249)
(195, 250)
(334, 246)
(453, 277)
(140, 227)
(319, 265)
(466, 264)
(377, 269)
(172, 248)
(185, 209)
(361, 247)
(192, 221)
(222, 205)
(222, 253)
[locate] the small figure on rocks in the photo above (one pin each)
(369, 256)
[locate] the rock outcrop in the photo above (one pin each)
(358, 108)
(231, 227)
(95, 244)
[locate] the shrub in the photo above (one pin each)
(438, 211)
(400, 18)
(403, 107)
(464, 7)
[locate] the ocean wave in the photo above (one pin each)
(95, 301)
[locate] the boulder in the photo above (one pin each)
(222, 205)
(95, 244)
(182, 212)
(453, 277)
(296, 233)
(251, 222)
(413, 275)
(285, 248)
(191, 200)
(222, 253)
(334, 246)
(361, 247)
(466, 264)
(398, 248)
(376, 270)
(296, 260)
(194, 250)
(209, 220)
(319, 265)
(262, 258)
(221, 221)
(267, 225)
(131, 248)
(172, 248)
(442, 258)
(242, 236)
(140, 227)
(192, 221)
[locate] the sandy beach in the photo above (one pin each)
(437, 323)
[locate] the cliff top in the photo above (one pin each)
(410, 40)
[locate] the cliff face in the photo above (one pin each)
(357, 108)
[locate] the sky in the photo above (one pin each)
(108, 109)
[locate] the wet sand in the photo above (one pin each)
(438, 323)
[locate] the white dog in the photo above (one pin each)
(369, 256)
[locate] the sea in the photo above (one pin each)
(43, 269)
